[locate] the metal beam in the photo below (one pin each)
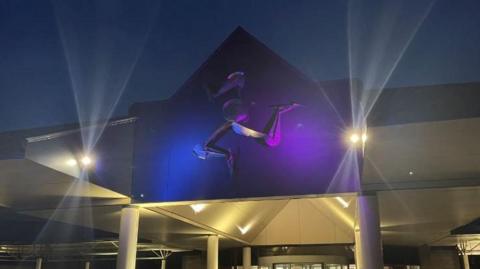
(420, 184)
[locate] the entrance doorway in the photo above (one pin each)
(309, 266)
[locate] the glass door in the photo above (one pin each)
(281, 266)
(298, 266)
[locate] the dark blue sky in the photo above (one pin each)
(51, 49)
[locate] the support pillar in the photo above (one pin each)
(247, 258)
(38, 263)
(87, 265)
(212, 252)
(164, 264)
(127, 250)
(368, 240)
(358, 248)
(466, 263)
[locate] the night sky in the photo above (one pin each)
(147, 49)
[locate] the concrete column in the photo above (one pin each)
(358, 248)
(38, 263)
(164, 263)
(466, 263)
(127, 250)
(87, 265)
(368, 239)
(212, 252)
(247, 258)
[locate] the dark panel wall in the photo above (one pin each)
(439, 258)
(308, 159)
(426, 103)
